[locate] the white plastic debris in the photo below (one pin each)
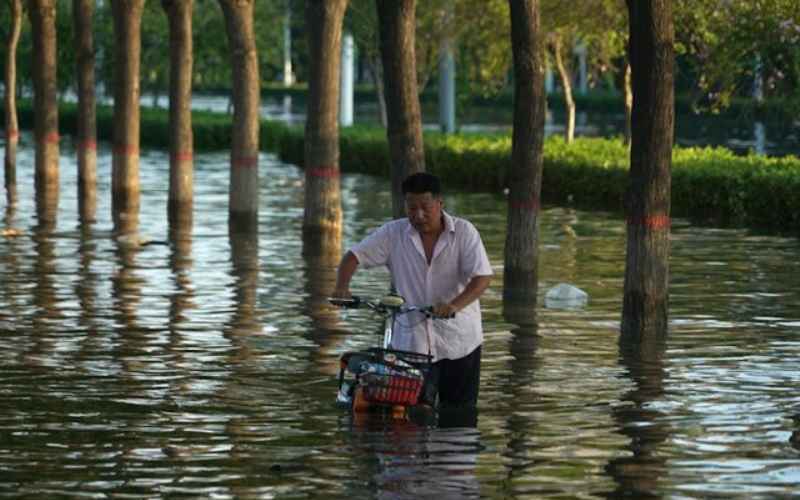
(565, 296)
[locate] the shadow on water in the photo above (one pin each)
(639, 473)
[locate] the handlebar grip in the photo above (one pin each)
(350, 303)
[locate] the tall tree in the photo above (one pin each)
(125, 190)
(397, 32)
(323, 207)
(527, 143)
(181, 143)
(647, 203)
(45, 96)
(12, 125)
(243, 193)
(83, 14)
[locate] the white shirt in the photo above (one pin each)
(458, 257)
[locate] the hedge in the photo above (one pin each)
(709, 185)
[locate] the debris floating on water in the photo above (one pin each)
(565, 296)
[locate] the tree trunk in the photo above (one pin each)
(566, 84)
(12, 125)
(525, 175)
(83, 12)
(243, 192)
(396, 23)
(181, 142)
(127, 16)
(323, 207)
(45, 96)
(628, 92)
(647, 204)
(376, 72)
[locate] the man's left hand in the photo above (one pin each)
(444, 310)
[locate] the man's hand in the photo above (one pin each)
(445, 310)
(342, 293)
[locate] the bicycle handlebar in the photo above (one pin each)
(391, 303)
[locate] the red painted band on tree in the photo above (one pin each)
(89, 144)
(12, 135)
(530, 204)
(51, 138)
(651, 221)
(183, 156)
(126, 150)
(244, 161)
(323, 171)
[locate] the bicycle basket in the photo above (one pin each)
(394, 377)
(393, 387)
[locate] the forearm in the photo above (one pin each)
(347, 268)
(470, 294)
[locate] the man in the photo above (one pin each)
(434, 259)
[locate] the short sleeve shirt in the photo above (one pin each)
(459, 256)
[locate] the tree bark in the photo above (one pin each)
(125, 190)
(566, 83)
(243, 193)
(83, 12)
(181, 141)
(12, 124)
(525, 175)
(647, 203)
(323, 207)
(396, 23)
(45, 96)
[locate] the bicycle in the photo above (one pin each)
(382, 378)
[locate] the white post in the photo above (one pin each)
(346, 89)
(758, 83)
(583, 79)
(288, 74)
(447, 89)
(549, 80)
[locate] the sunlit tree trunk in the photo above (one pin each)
(525, 175)
(628, 91)
(125, 188)
(181, 143)
(83, 13)
(557, 49)
(396, 23)
(647, 204)
(243, 193)
(12, 125)
(45, 103)
(323, 208)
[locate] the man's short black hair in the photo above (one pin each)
(422, 182)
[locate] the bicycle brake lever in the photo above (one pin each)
(348, 303)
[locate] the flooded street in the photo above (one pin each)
(192, 363)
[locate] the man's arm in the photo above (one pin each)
(471, 293)
(347, 268)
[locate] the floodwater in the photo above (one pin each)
(203, 365)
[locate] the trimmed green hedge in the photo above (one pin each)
(709, 185)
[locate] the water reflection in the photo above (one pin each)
(638, 474)
(521, 422)
(322, 251)
(401, 459)
(46, 313)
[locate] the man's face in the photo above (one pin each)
(424, 211)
